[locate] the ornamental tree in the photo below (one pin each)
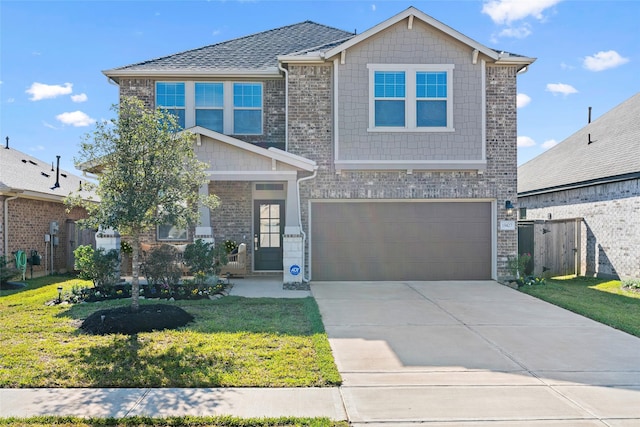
(147, 173)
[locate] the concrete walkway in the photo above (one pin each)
(438, 353)
(474, 354)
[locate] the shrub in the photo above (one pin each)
(204, 259)
(97, 265)
(632, 284)
(161, 266)
(517, 264)
(7, 271)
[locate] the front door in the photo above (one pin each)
(268, 229)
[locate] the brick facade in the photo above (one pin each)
(310, 135)
(610, 226)
(29, 222)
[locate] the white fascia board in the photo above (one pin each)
(216, 175)
(412, 11)
(270, 72)
(274, 154)
(515, 60)
(315, 58)
(413, 165)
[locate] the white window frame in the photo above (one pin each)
(227, 109)
(410, 98)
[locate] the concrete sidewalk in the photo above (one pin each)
(474, 354)
(166, 402)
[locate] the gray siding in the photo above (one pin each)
(610, 245)
(399, 45)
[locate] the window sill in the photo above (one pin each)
(410, 130)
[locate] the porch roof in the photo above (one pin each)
(230, 157)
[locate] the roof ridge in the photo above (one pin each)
(272, 30)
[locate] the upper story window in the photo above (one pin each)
(232, 108)
(247, 108)
(410, 98)
(171, 96)
(210, 106)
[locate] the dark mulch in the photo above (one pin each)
(122, 320)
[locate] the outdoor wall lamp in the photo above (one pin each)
(508, 206)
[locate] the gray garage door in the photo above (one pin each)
(401, 241)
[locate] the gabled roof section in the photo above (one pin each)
(412, 13)
(605, 150)
(256, 53)
(26, 176)
(296, 161)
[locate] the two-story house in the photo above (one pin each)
(386, 155)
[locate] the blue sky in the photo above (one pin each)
(52, 88)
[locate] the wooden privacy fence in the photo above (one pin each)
(554, 245)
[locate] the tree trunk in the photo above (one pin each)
(135, 267)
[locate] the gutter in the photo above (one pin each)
(286, 105)
(582, 184)
(6, 220)
(304, 235)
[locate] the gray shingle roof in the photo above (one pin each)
(20, 171)
(614, 151)
(254, 52)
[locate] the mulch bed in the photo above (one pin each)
(122, 320)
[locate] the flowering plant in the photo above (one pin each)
(230, 245)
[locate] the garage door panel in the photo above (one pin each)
(401, 240)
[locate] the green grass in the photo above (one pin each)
(234, 342)
(173, 421)
(602, 300)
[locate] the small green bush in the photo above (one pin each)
(7, 271)
(633, 284)
(97, 265)
(161, 266)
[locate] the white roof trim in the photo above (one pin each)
(270, 72)
(412, 11)
(272, 153)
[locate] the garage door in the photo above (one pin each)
(401, 240)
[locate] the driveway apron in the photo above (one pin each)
(475, 353)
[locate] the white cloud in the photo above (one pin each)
(521, 32)
(37, 148)
(565, 66)
(508, 11)
(76, 119)
(604, 60)
(549, 143)
(81, 97)
(11, 100)
(525, 141)
(40, 91)
(561, 88)
(49, 125)
(373, 7)
(522, 100)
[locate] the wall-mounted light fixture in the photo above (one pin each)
(508, 206)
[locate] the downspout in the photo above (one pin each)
(304, 235)
(286, 105)
(6, 224)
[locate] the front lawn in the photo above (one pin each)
(602, 300)
(233, 342)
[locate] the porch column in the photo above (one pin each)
(204, 231)
(292, 217)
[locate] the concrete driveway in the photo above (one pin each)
(475, 353)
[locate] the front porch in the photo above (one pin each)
(259, 205)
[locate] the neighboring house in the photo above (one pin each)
(593, 175)
(384, 155)
(33, 215)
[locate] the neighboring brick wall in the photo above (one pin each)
(28, 223)
(611, 225)
(232, 218)
(310, 136)
(144, 89)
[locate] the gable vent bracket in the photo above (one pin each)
(343, 57)
(474, 56)
(274, 165)
(410, 26)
